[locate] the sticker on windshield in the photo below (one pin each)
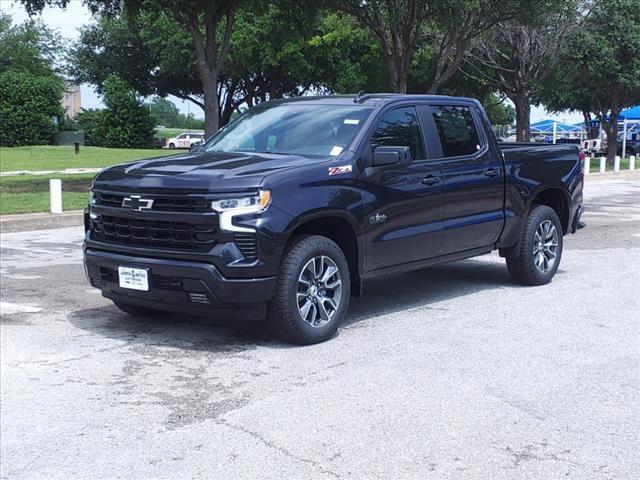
(335, 151)
(351, 121)
(340, 170)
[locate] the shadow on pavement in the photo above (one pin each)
(424, 288)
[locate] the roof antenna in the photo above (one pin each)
(360, 97)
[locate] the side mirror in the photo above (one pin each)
(387, 156)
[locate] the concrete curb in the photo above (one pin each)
(609, 175)
(40, 221)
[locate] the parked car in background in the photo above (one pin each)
(185, 140)
(159, 142)
(290, 208)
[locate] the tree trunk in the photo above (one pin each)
(397, 77)
(523, 113)
(612, 141)
(211, 103)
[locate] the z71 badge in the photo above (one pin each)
(340, 170)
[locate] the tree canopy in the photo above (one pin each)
(599, 71)
(30, 87)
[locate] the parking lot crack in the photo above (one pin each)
(270, 444)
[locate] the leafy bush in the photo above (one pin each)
(126, 121)
(29, 107)
(91, 122)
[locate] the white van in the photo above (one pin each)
(185, 140)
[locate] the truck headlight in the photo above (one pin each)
(231, 207)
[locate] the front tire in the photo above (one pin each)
(312, 291)
(540, 248)
(172, 146)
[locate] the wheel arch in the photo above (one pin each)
(556, 198)
(342, 229)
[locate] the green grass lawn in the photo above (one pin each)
(44, 157)
(624, 165)
(30, 193)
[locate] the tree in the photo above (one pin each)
(517, 55)
(447, 27)
(398, 25)
(164, 112)
(126, 121)
(30, 88)
(29, 47)
(91, 122)
(209, 25)
(346, 56)
(600, 68)
(29, 106)
(150, 52)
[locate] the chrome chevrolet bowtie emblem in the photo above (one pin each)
(134, 202)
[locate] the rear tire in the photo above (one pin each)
(540, 248)
(312, 291)
(136, 310)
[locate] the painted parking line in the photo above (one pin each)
(7, 308)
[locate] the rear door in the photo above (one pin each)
(473, 177)
(404, 222)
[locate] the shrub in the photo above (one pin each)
(29, 108)
(127, 122)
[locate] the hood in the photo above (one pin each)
(200, 171)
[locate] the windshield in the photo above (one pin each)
(292, 129)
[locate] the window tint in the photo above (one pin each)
(400, 128)
(457, 131)
(293, 128)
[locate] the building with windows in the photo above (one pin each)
(72, 101)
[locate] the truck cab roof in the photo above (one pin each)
(372, 99)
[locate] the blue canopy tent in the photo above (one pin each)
(553, 127)
(630, 116)
(632, 113)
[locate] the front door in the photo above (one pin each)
(473, 179)
(404, 216)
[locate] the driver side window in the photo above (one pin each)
(400, 128)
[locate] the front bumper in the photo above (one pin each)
(174, 284)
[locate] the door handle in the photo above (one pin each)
(491, 172)
(431, 180)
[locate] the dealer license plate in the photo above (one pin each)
(134, 278)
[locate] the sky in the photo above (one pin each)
(68, 22)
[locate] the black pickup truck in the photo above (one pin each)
(287, 210)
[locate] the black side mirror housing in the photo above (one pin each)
(385, 156)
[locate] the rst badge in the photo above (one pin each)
(377, 218)
(340, 170)
(135, 202)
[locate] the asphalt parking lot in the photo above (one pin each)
(447, 373)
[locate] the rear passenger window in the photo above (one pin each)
(458, 134)
(400, 128)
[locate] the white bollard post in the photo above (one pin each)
(587, 165)
(632, 162)
(616, 164)
(603, 164)
(55, 191)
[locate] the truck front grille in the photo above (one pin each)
(160, 203)
(152, 233)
